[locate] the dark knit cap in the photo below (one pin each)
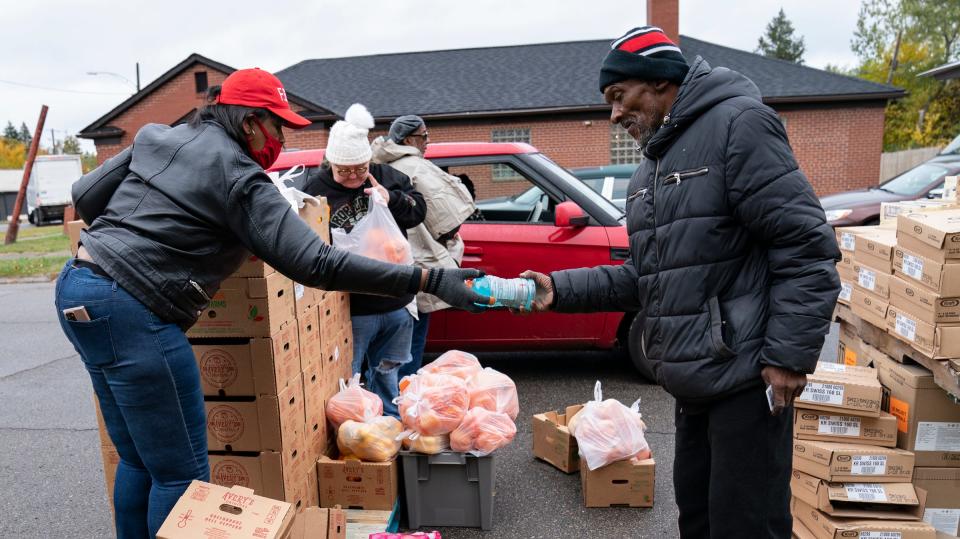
(644, 53)
(404, 126)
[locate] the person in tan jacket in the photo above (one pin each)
(436, 242)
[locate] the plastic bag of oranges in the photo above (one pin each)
(376, 235)
(455, 363)
(482, 432)
(354, 403)
(494, 391)
(428, 445)
(432, 404)
(376, 440)
(607, 431)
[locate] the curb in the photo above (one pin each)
(27, 280)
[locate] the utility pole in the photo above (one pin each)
(53, 142)
(138, 77)
(14, 226)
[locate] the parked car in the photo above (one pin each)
(611, 181)
(569, 226)
(862, 207)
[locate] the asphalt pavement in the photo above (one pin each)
(52, 476)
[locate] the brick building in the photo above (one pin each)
(544, 94)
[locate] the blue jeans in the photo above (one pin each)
(384, 339)
(417, 344)
(148, 385)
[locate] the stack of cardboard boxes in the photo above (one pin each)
(873, 271)
(848, 476)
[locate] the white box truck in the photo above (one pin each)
(48, 192)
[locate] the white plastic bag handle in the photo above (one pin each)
(597, 392)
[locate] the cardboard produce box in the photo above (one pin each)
(824, 526)
(357, 485)
(943, 497)
(850, 351)
(928, 421)
(834, 387)
(935, 235)
(252, 307)
(266, 473)
(248, 367)
(338, 354)
(852, 462)
(870, 279)
(308, 324)
(888, 501)
(935, 341)
(319, 523)
(206, 511)
(830, 427)
(625, 483)
(875, 249)
(924, 303)
(552, 441)
(315, 395)
(943, 278)
(870, 307)
(263, 423)
(253, 266)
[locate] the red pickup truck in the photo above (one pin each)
(567, 225)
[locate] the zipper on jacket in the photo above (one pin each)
(640, 193)
(199, 289)
(677, 177)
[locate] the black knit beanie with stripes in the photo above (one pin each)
(644, 53)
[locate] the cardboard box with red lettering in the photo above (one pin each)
(833, 427)
(870, 307)
(934, 341)
(250, 307)
(552, 441)
(248, 367)
(262, 423)
(928, 419)
(206, 510)
(889, 501)
(823, 526)
(625, 483)
(252, 266)
(851, 462)
(943, 497)
(319, 523)
(266, 473)
(357, 485)
(837, 388)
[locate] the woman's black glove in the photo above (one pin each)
(448, 285)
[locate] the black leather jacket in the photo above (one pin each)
(174, 215)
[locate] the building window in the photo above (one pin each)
(200, 80)
(623, 149)
(503, 173)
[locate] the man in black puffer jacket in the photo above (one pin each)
(732, 266)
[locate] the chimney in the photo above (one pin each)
(666, 15)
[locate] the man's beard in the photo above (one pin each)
(646, 132)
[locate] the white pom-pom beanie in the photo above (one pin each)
(348, 144)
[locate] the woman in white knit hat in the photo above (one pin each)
(382, 326)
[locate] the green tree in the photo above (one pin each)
(71, 146)
(25, 137)
(10, 132)
(88, 161)
(896, 40)
(779, 41)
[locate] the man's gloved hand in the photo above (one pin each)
(448, 284)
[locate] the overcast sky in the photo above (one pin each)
(53, 44)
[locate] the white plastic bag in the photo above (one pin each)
(376, 235)
(607, 431)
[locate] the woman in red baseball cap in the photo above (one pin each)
(170, 217)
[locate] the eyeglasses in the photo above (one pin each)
(425, 134)
(347, 172)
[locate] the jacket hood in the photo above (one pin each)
(386, 150)
(702, 89)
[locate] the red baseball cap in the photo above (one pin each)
(260, 89)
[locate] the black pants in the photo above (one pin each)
(732, 468)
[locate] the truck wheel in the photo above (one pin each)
(32, 217)
(41, 218)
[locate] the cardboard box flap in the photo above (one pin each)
(874, 493)
(934, 229)
(825, 526)
(878, 243)
(208, 510)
